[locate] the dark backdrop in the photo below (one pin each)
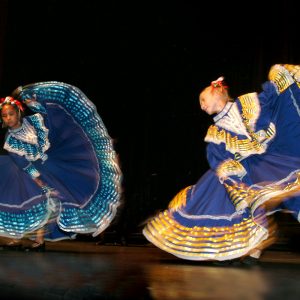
(143, 64)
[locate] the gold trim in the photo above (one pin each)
(230, 167)
(179, 200)
(281, 76)
(250, 110)
(202, 243)
(243, 147)
(294, 70)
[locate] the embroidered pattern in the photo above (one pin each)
(282, 77)
(241, 147)
(202, 243)
(32, 171)
(232, 121)
(241, 124)
(250, 109)
(30, 140)
(230, 167)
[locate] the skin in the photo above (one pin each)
(10, 117)
(212, 101)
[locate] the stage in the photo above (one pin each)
(86, 269)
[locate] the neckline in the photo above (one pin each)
(223, 112)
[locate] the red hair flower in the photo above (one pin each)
(11, 100)
(219, 83)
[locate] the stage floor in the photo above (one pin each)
(86, 270)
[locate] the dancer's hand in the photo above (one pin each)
(222, 179)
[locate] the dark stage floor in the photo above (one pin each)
(78, 270)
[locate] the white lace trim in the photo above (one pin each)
(212, 217)
(25, 133)
(233, 121)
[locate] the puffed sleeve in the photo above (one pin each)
(284, 76)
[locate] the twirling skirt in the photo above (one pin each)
(81, 166)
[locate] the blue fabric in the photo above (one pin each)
(80, 165)
(209, 196)
(202, 221)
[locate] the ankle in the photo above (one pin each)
(39, 242)
(256, 253)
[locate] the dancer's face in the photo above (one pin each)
(10, 117)
(211, 102)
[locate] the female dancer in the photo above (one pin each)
(61, 176)
(254, 157)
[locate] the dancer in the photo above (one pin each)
(61, 176)
(254, 157)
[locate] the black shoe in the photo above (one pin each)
(237, 262)
(250, 261)
(221, 263)
(231, 262)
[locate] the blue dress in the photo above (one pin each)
(65, 143)
(254, 145)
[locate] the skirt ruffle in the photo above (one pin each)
(201, 223)
(82, 167)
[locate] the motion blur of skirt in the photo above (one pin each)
(81, 166)
(201, 223)
(205, 221)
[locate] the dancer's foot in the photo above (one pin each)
(39, 244)
(13, 244)
(36, 247)
(231, 262)
(252, 259)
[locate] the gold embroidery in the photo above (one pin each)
(240, 195)
(281, 76)
(255, 143)
(250, 109)
(230, 167)
(179, 200)
(294, 70)
(240, 147)
(201, 243)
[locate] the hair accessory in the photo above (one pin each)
(11, 100)
(219, 83)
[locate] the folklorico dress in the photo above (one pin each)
(65, 143)
(254, 143)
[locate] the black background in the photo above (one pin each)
(143, 63)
